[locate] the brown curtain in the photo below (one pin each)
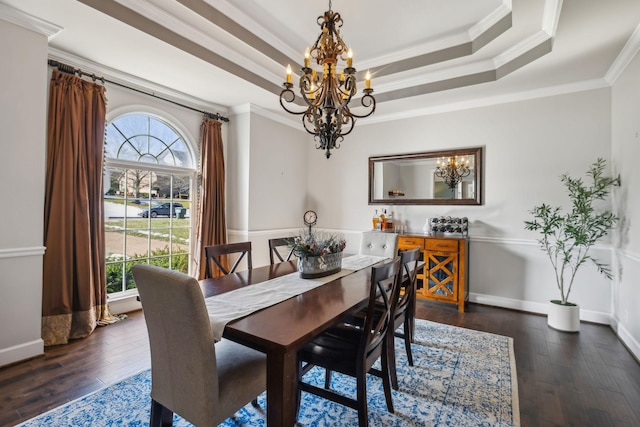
(212, 224)
(74, 296)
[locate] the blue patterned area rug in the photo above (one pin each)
(460, 378)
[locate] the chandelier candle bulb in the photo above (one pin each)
(350, 58)
(288, 73)
(367, 80)
(307, 58)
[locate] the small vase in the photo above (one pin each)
(426, 227)
(312, 267)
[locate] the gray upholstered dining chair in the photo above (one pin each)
(379, 243)
(190, 376)
(276, 243)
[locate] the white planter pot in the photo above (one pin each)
(564, 317)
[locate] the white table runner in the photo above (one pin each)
(241, 302)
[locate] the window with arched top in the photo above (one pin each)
(148, 176)
(146, 139)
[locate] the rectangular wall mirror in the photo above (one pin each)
(451, 177)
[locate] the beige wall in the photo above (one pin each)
(626, 152)
(22, 166)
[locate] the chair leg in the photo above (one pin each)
(391, 357)
(327, 379)
(254, 403)
(160, 416)
(408, 339)
(386, 382)
(410, 321)
(361, 395)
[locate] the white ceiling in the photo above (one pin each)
(425, 55)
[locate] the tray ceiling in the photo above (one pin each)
(423, 54)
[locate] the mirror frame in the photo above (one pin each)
(476, 152)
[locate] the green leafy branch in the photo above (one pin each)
(568, 237)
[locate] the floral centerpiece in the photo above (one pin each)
(319, 254)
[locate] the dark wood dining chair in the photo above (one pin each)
(213, 254)
(352, 349)
(404, 311)
(275, 244)
(203, 382)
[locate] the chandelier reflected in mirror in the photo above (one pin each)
(452, 170)
(328, 92)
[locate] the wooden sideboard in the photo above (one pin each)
(444, 277)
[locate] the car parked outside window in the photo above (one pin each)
(161, 209)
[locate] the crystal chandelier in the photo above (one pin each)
(452, 170)
(327, 92)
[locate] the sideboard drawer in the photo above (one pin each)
(443, 245)
(410, 242)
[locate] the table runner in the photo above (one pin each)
(241, 302)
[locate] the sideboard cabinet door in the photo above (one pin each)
(444, 277)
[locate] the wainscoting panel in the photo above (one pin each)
(21, 303)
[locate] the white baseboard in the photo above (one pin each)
(626, 338)
(22, 351)
(536, 307)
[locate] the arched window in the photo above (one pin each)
(148, 175)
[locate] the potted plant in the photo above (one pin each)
(318, 254)
(567, 237)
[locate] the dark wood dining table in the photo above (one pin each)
(281, 329)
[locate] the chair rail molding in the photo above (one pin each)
(22, 252)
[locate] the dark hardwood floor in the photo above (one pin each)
(583, 379)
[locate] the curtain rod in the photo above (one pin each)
(70, 70)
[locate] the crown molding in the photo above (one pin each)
(524, 47)
(622, 61)
(244, 21)
(551, 16)
(484, 25)
(488, 101)
(240, 109)
(412, 79)
(278, 117)
(230, 44)
(133, 81)
(441, 108)
(30, 22)
(459, 45)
